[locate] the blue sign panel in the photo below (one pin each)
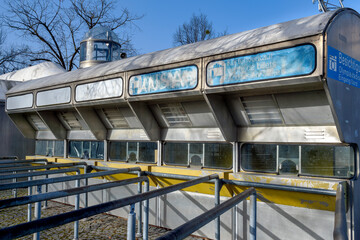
(287, 62)
(343, 68)
(164, 81)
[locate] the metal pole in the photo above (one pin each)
(36, 235)
(86, 195)
(139, 231)
(46, 188)
(340, 228)
(29, 211)
(15, 189)
(253, 216)
(38, 173)
(146, 214)
(217, 202)
(77, 204)
(131, 223)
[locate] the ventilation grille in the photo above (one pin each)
(262, 110)
(115, 118)
(71, 120)
(175, 115)
(36, 122)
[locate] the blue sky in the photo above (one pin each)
(162, 17)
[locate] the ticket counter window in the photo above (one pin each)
(205, 155)
(86, 149)
(144, 152)
(49, 148)
(309, 160)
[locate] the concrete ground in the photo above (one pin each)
(101, 226)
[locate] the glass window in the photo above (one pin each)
(218, 155)
(210, 155)
(176, 153)
(133, 151)
(49, 148)
(258, 157)
(40, 147)
(59, 148)
(86, 149)
(314, 160)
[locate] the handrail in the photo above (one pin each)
(203, 219)
(12, 202)
(281, 187)
(340, 225)
(48, 166)
(8, 157)
(22, 161)
(61, 219)
(66, 178)
(38, 173)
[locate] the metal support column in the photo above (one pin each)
(36, 235)
(218, 185)
(139, 230)
(253, 216)
(146, 214)
(131, 223)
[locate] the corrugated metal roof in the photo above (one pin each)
(294, 29)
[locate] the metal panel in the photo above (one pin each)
(223, 117)
(37, 123)
(319, 134)
(23, 125)
(99, 90)
(192, 134)
(147, 120)
(127, 135)
(53, 97)
(93, 122)
(53, 123)
(305, 108)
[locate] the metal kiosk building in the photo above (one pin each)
(273, 108)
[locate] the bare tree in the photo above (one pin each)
(11, 58)
(57, 26)
(197, 29)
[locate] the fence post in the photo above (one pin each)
(146, 214)
(139, 231)
(131, 223)
(253, 216)
(36, 235)
(77, 205)
(218, 185)
(29, 210)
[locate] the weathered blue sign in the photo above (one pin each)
(343, 68)
(164, 81)
(295, 61)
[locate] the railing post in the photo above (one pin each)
(340, 228)
(77, 205)
(253, 216)
(15, 189)
(46, 187)
(218, 185)
(29, 210)
(131, 223)
(36, 235)
(146, 214)
(86, 195)
(139, 231)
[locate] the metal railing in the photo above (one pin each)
(54, 221)
(196, 223)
